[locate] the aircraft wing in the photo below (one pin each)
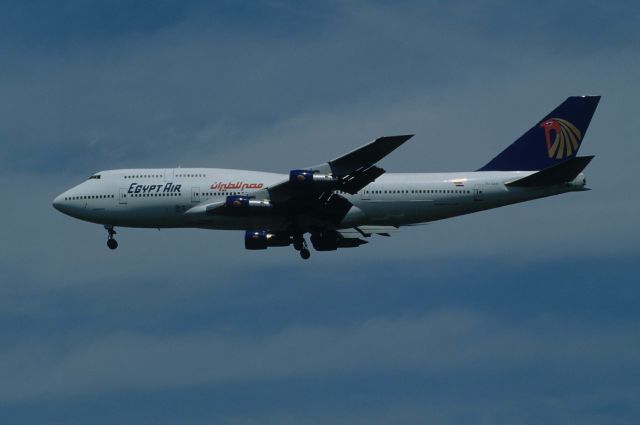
(348, 173)
(310, 198)
(367, 231)
(205, 208)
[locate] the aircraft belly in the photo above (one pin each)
(413, 211)
(149, 216)
(272, 222)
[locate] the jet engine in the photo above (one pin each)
(262, 239)
(243, 204)
(306, 179)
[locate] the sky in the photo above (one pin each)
(526, 314)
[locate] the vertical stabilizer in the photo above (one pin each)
(554, 139)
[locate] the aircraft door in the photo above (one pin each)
(478, 194)
(122, 197)
(195, 194)
(168, 174)
(365, 193)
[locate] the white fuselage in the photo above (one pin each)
(162, 198)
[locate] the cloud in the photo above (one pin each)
(525, 314)
(439, 344)
(168, 95)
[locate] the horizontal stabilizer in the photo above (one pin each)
(558, 174)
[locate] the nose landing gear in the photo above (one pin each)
(111, 242)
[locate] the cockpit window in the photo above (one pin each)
(95, 176)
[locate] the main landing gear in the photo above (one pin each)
(299, 244)
(111, 242)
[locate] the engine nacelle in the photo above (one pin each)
(306, 179)
(237, 202)
(244, 204)
(262, 239)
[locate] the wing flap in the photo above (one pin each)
(359, 179)
(368, 231)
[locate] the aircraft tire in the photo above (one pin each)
(112, 243)
(305, 254)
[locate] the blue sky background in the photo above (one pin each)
(528, 314)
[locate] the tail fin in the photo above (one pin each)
(556, 138)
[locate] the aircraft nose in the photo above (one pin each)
(58, 203)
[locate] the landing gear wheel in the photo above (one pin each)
(298, 242)
(111, 243)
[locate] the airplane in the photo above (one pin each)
(340, 203)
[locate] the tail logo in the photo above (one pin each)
(567, 137)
